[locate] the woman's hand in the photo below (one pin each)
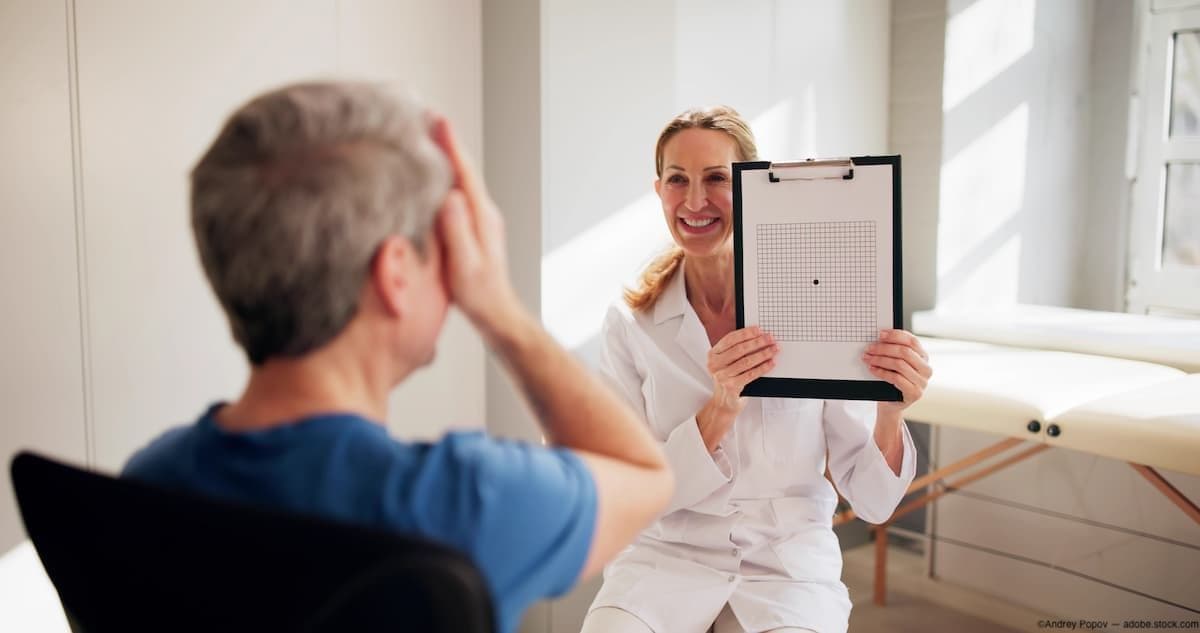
(898, 358)
(738, 358)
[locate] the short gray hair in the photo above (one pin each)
(293, 199)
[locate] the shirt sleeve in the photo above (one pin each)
(701, 477)
(859, 469)
(524, 513)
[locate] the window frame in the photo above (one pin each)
(1150, 287)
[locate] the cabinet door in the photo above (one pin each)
(41, 366)
(156, 80)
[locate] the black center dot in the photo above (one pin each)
(816, 282)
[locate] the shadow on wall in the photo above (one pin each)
(1014, 143)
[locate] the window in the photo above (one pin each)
(1165, 228)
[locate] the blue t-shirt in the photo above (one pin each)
(524, 514)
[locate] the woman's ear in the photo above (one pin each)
(658, 187)
(389, 273)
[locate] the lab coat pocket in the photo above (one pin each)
(791, 428)
(671, 528)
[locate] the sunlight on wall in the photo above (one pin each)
(581, 278)
(585, 275)
(773, 130)
(992, 281)
(981, 41)
(982, 193)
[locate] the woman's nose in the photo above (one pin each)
(696, 197)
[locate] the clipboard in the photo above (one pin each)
(817, 263)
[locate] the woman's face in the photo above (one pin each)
(696, 189)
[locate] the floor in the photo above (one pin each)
(919, 604)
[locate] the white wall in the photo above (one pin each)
(1101, 268)
(1015, 95)
(41, 370)
(100, 360)
(812, 77)
(782, 65)
(915, 132)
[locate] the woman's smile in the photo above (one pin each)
(698, 224)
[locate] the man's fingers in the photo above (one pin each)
(454, 225)
(466, 177)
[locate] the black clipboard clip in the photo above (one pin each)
(845, 163)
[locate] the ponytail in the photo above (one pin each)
(654, 279)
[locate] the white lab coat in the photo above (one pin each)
(749, 524)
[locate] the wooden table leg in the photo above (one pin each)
(937, 475)
(881, 535)
(881, 540)
(1171, 492)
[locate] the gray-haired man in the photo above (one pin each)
(336, 223)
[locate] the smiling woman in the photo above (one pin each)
(722, 133)
(747, 537)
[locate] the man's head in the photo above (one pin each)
(314, 206)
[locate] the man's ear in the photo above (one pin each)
(390, 270)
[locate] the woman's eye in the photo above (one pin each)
(676, 180)
(717, 178)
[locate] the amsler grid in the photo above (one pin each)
(816, 281)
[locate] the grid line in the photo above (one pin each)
(816, 281)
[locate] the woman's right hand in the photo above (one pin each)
(738, 358)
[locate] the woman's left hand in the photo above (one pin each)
(898, 358)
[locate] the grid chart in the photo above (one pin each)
(816, 281)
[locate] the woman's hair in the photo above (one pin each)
(658, 274)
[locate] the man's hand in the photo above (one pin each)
(471, 231)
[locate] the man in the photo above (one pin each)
(336, 223)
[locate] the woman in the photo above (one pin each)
(746, 543)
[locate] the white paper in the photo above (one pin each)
(817, 266)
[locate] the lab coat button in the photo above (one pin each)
(737, 552)
(732, 578)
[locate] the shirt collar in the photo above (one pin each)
(673, 301)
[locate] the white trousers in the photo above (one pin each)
(614, 620)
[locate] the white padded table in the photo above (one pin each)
(1157, 425)
(999, 389)
(1143, 413)
(1161, 340)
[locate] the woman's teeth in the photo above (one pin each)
(699, 223)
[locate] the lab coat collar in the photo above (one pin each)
(691, 335)
(673, 301)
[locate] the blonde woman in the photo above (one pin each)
(746, 542)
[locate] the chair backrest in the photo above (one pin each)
(126, 556)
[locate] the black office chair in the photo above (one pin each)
(130, 557)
